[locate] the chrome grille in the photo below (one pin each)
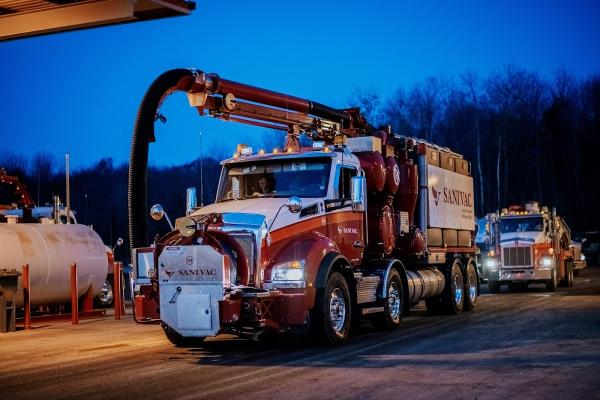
(247, 242)
(516, 256)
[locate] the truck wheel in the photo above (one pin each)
(470, 288)
(392, 304)
(331, 315)
(552, 283)
(178, 340)
(453, 296)
(106, 296)
(493, 286)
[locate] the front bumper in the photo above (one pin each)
(263, 309)
(524, 275)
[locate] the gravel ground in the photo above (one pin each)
(530, 344)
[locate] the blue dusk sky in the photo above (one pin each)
(79, 91)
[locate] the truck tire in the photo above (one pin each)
(178, 340)
(552, 283)
(331, 317)
(453, 296)
(471, 287)
(493, 286)
(392, 304)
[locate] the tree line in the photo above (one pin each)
(99, 192)
(527, 138)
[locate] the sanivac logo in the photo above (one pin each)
(458, 197)
(343, 229)
(452, 196)
(169, 272)
(436, 195)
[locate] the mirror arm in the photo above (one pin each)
(268, 235)
(169, 221)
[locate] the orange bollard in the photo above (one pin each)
(74, 296)
(26, 297)
(117, 266)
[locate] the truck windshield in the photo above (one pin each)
(275, 178)
(531, 224)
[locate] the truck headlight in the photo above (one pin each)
(582, 257)
(289, 271)
(491, 263)
(546, 262)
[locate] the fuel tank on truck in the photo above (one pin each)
(50, 250)
(408, 190)
(381, 229)
(374, 166)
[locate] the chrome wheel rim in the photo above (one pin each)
(106, 293)
(394, 301)
(458, 289)
(472, 287)
(337, 310)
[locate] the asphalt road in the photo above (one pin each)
(515, 345)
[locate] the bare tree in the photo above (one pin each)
(15, 164)
(369, 102)
(471, 81)
(396, 112)
(425, 107)
(42, 168)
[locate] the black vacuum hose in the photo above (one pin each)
(143, 134)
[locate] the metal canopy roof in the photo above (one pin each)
(23, 18)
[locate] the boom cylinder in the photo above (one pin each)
(215, 84)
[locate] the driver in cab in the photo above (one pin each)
(264, 187)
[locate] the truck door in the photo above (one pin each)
(344, 225)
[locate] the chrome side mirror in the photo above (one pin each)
(157, 212)
(294, 204)
(191, 200)
(358, 188)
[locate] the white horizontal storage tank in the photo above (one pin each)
(50, 250)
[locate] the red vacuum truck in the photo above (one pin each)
(363, 223)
